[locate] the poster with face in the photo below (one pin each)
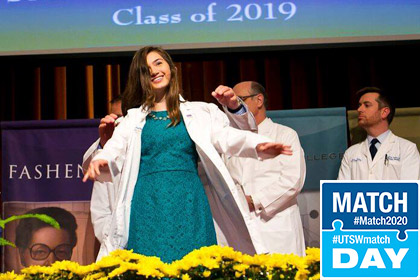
(42, 174)
(38, 243)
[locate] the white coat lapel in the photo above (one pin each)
(186, 113)
(142, 115)
(191, 123)
(139, 117)
(187, 116)
(366, 153)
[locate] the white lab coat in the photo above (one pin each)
(396, 159)
(103, 200)
(274, 185)
(209, 128)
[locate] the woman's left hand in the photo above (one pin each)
(275, 149)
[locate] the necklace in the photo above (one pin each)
(153, 116)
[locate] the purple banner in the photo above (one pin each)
(41, 160)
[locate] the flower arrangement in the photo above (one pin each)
(212, 262)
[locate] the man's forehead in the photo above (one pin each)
(242, 88)
(369, 96)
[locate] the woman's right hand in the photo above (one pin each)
(94, 169)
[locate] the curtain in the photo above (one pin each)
(81, 86)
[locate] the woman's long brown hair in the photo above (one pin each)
(139, 91)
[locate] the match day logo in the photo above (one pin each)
(370, 229)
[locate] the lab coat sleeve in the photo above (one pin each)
(410, 167)
(100, 208)
(89, 154)
(344, 173)
(283, 180)
(231, 141)
(245, 121)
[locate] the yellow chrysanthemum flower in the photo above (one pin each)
(36, 269)
(11, 275)
(86, 269)
(186, 277)
(312, 255)
(125, 255)
(98, 275)
(240, 267)
(212, 257)
(238, 274)
(66, 266)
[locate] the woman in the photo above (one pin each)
(154, 153)
(41, 244)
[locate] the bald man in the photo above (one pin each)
(270, 186)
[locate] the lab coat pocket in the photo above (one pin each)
(392, 170)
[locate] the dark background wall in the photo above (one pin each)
(80, 86)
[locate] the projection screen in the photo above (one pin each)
(76, 26)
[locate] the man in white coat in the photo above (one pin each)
(271, 186)
(383, 155)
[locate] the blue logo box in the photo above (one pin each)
(370, 229)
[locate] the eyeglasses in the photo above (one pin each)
(247, 96)
(40, 252)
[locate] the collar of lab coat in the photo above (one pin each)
(265, 126)
(381, 137)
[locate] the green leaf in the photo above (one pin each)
(4, 242)
(45, 218)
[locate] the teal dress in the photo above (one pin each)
(170, 213)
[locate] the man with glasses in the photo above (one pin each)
(41, 244)
(383, 155)
(270, 186)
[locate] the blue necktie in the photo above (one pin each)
(373, 148)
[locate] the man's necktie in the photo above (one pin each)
(373, 148)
